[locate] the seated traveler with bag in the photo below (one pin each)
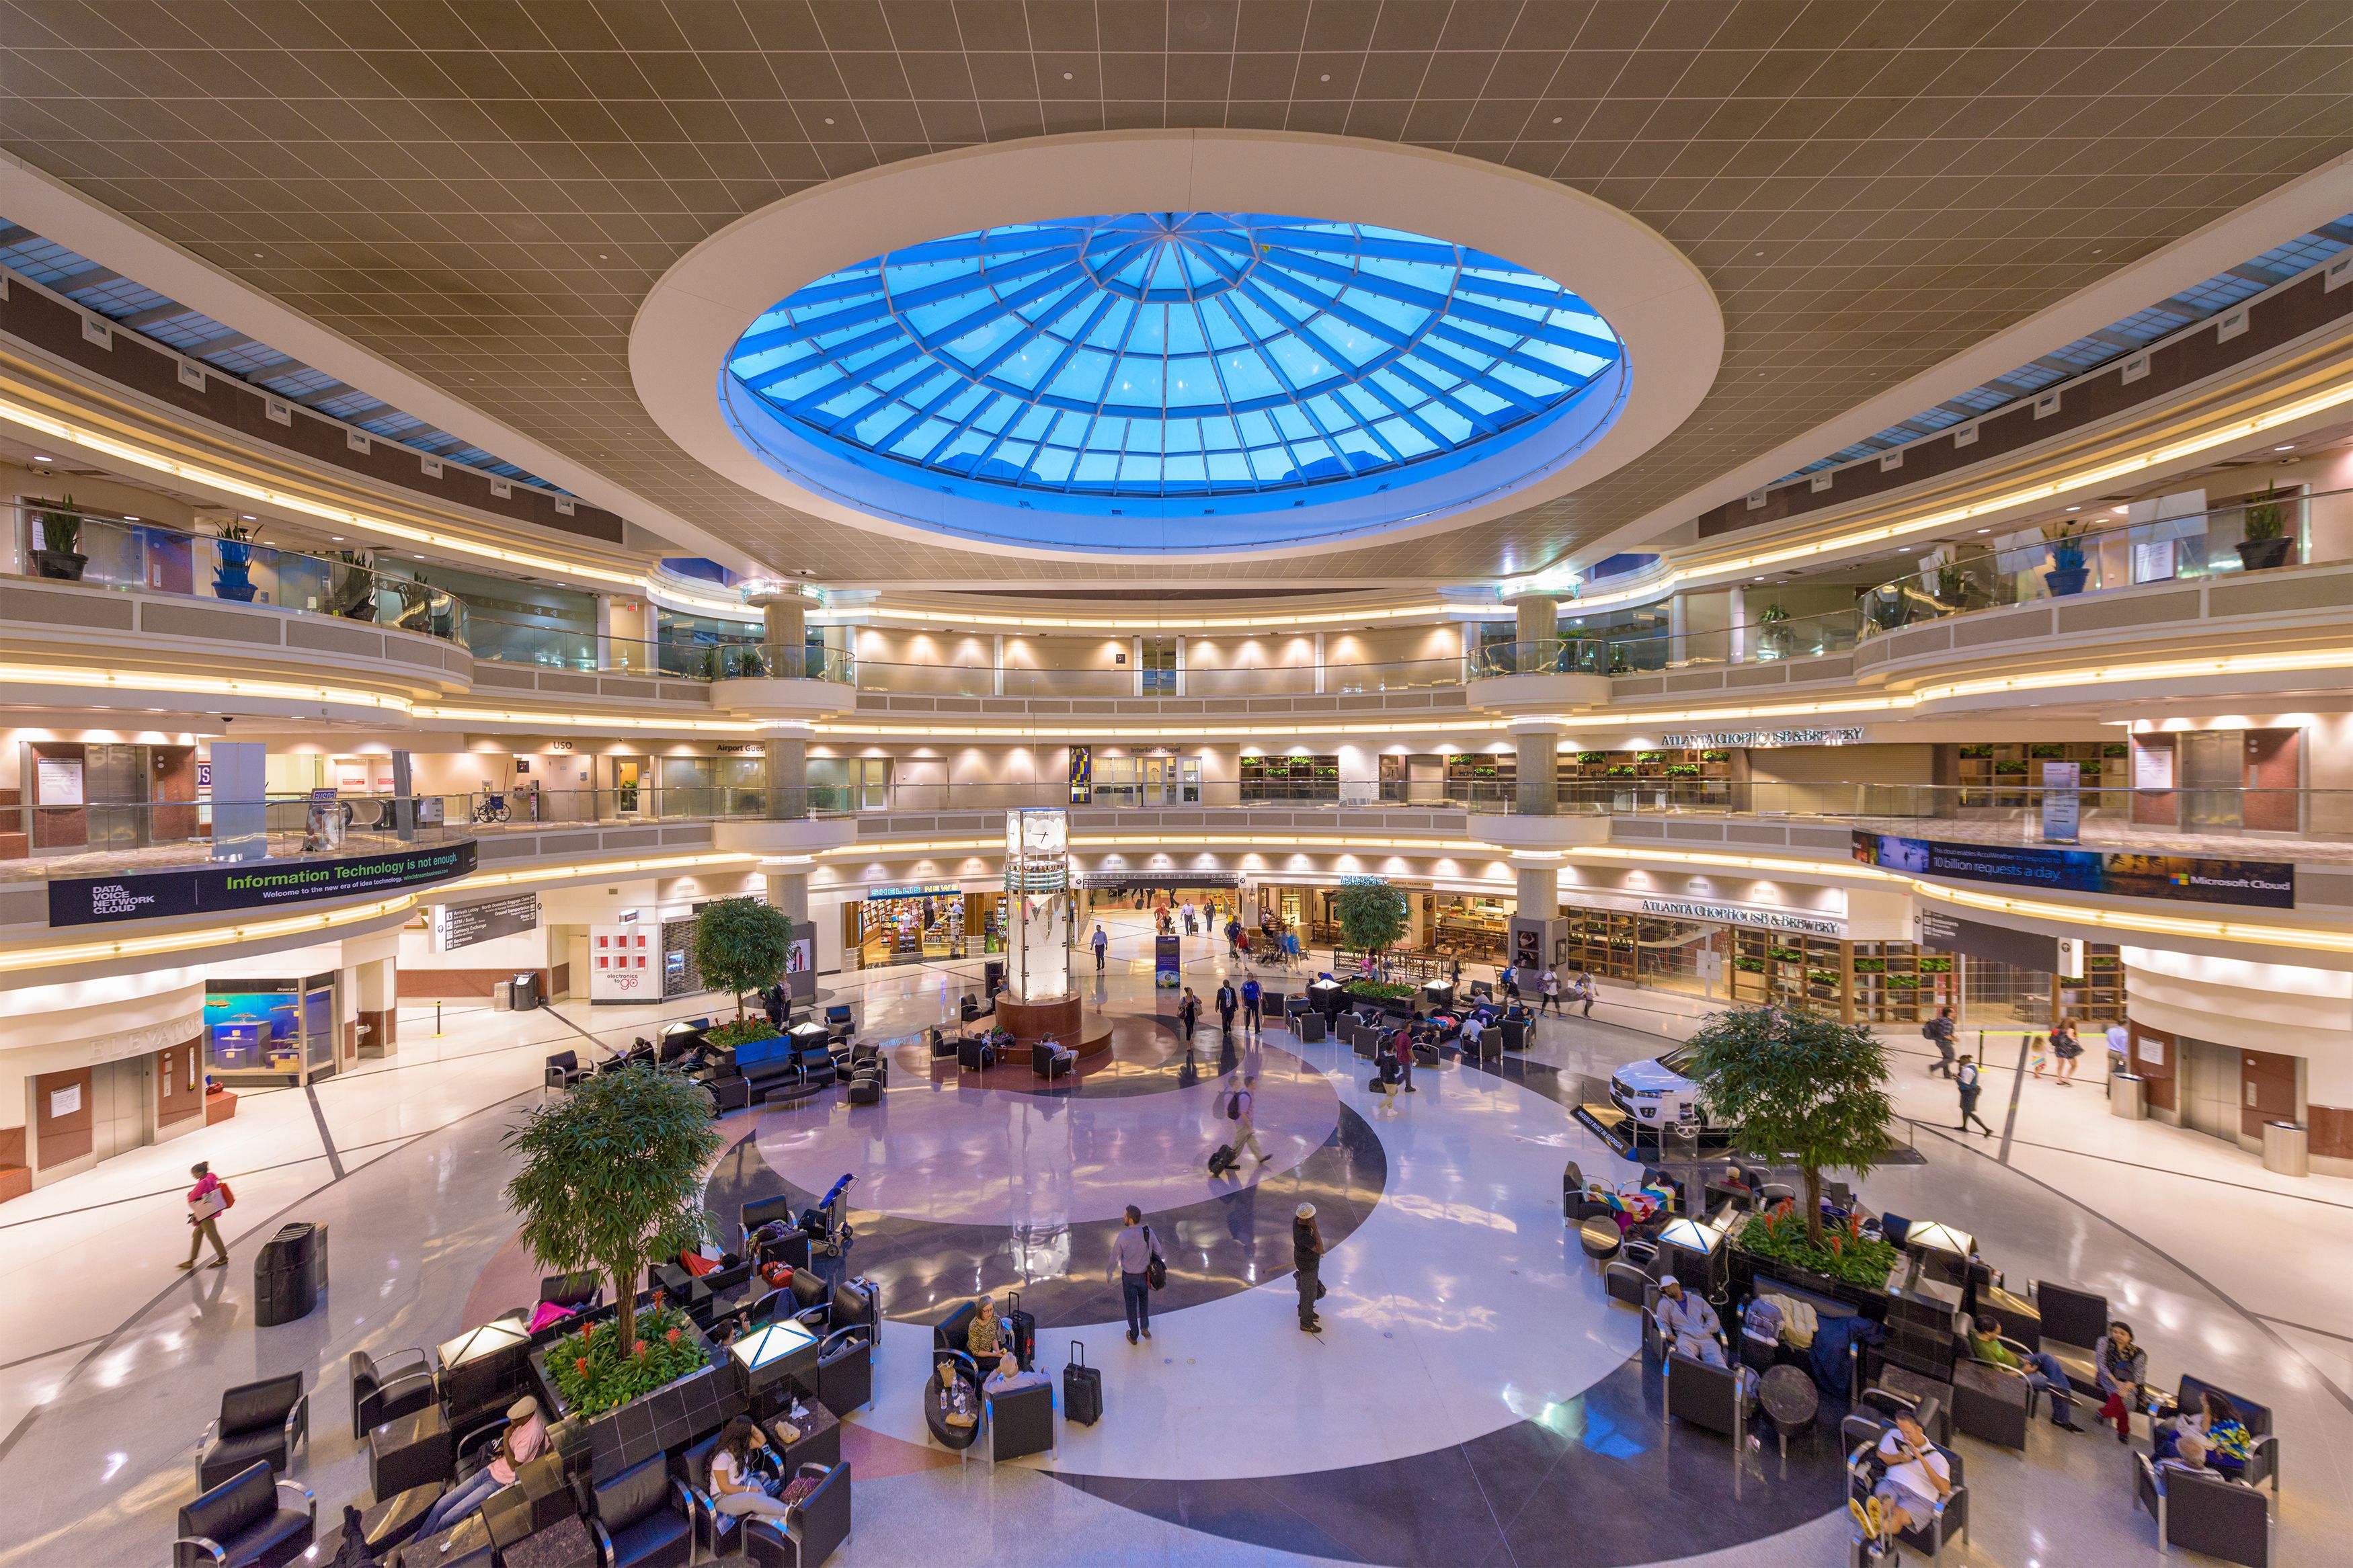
(744, 1473)
(1911, 1493)
(525, 1436)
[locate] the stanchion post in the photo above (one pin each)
(436, 1020)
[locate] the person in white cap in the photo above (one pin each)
(525, 1436)
(1688, 1323)
(1307, 1258)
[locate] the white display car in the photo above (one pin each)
(1657, 1095)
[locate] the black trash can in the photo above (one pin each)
(992, 976)
(523, 994)
(289, 1272)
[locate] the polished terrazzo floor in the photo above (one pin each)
(1473, 1401)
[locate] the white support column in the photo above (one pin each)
(1678, 632)
(1319, 663)
(996, 665)
(788, 885)
(1135, 663)
(1180, 668)
(1539, 890)
(1737, 628)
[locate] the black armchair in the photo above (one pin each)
(564, 1070)
(2204, 1512)
(1706, 1395)
(2073, 1322)
(246, 1522)
(259, 1422)
(845, 1369)
(954, 1331)
(379, 1393)
(2262, 1455)
(807, 1534)
(579, 1291)
(1022, 1421)
(840, 1022)
(644, 1519)
(1991, 1403)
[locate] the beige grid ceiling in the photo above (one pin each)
(482, 191)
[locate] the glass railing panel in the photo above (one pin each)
(111, 553)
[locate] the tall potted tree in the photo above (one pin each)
(60, 541)
(612, 1175)
(1796, 1085)
(236, 550)
(1371, 917)
(741, 946)
(2068, 573)
(2265, 542)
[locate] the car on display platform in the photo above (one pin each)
(1660, 1096)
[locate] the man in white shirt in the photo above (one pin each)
(2119, 1048)
(1008, 1375)
(1912, 1492)
(1472, 1027)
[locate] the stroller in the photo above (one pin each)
(828, 1232)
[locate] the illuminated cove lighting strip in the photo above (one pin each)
(958, 617)
(1233, 729)
(97, 440)
(200, 685)
(2221, 436)
(586, 721)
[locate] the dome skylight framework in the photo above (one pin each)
(1172, 354)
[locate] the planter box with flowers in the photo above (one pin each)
(658, 1392)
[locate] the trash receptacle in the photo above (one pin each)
(289, 1272)
(2129, 1097)
(523, 992)
(2287, 1149)
(992, 978)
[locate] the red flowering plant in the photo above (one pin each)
(594, 1374)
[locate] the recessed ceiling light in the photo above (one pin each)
(1327, 76)
(828, 120)
(336, 537)
(2289, 448)
(2075, 509)
(1556, 120)
(247, 517)
(128, 518)
(1066, 76)
(38, 458)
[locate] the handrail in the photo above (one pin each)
(67, 544)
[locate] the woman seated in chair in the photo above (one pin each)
(525, 1435)
(984, 1336)
(743, 1469)
(2212, 1437)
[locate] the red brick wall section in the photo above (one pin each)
(450, 984)
(58, 1139)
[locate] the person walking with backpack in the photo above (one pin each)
(1132, 1252)
(1939, 1032)
(1242, 1110)
(1966, 1080)
(1251, 992)
(207, 1201)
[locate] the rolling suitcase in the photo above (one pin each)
(1081, 1388)
(1021, 1328)
(1223, 1159)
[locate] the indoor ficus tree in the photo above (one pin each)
(1794, 1085)
(741, 945)
(612, 1175)
(1371, 916)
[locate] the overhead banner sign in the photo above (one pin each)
(249, 885)
(1846, 735)
(1997, 944)
(463, 925)
(2264, 884)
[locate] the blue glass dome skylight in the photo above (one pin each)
(1212, 364)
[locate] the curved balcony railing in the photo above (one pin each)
(279, 826)
(68, 545)
(2062, 561)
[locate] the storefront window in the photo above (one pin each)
(1148, 781)
(1282, 778)
(270, 1030)
(906, 925)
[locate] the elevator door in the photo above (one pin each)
(2210, 1088)
(2212, 777)
(123, 1106)
(114, 782)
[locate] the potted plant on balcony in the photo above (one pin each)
(2068, 573)
(236, 550)
(60, 534)
(1775, 640)
(2266, 544)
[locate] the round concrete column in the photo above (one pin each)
(788, 893)
(787, 779)
(1539, 891)
(1538, 790)
(784, 631)
(1539, 615)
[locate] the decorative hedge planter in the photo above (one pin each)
(695, 1402)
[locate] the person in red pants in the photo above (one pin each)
(2120, 1370)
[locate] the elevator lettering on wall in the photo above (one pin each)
(266, 884)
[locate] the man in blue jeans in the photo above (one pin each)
(2042, 1369)
(1131, 1263)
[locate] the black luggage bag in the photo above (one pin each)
(1021, 1330)
(1081, 1388)
(1223, 1159)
